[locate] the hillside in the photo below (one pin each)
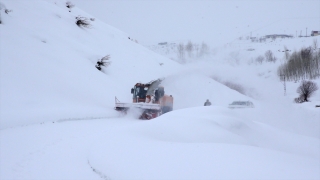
(41, 76)
(58, 119)
(48, 64)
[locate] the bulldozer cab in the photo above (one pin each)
(139, 92)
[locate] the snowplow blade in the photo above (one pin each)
(149, 111)
(138, 105)
(125, 106)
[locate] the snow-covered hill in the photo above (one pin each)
(48, 64)
(57, 119)
(55, 67)
(235, 52)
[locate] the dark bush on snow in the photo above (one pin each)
(83, 22)
(69, 4)
(7, 11)
(305, 91)
(269, 56)
(103, 62)
(260, 59)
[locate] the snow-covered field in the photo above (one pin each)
(57, 119)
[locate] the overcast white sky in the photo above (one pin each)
(215, 21)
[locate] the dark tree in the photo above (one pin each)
(103, 62)
(306, 53)
(303, 64)
(69, 4)
(269, 56)
(306, 90)
(260, 59)
(83, 22)
(180, 51)
(7, 11)
(189, 48)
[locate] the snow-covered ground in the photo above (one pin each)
(57, 119)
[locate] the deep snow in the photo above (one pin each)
(58, 121)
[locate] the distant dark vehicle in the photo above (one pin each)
(241, 104)
(163, 43)
(315, 33)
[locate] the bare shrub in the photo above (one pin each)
(260, 59)
(204, 49)
(306, 90)
(180, 49)
(306, 53)
(83, 22)
(303, 64)
(7, 11)
(298, 99)
(104, 61)
(315, 44)
(286, 53)
(69, 4)
(270, 57)
(196, 47)
(189, 48)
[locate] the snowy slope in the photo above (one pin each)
(58, 122)
(59, 56)
(47, 62)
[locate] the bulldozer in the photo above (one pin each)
(149, 98)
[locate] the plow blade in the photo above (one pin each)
(148, 110)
